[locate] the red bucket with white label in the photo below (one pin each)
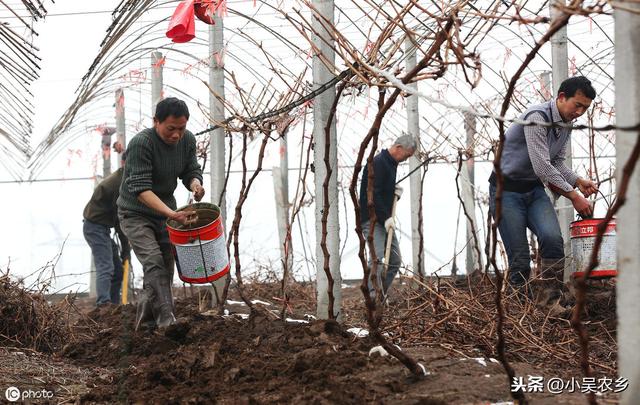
(200, 248)
(583, 237)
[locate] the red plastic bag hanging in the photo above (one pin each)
(182, 26)
(205, 11)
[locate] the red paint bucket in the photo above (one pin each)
(200, 249)
(583, 236)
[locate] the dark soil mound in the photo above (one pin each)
(210, 358)
(449, 329)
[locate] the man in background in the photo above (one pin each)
(385, 165)
(100, 215)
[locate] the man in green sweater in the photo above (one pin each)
(100, 215)
(156, 158)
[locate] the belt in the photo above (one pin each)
(515, 185)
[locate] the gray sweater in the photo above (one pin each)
(154, 165)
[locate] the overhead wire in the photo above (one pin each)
(19, 66)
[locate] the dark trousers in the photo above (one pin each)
(395, 259)
(520, 211)
(107, 261)
(149, 239)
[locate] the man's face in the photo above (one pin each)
(400, 153)
(573, 107)
(171, 130)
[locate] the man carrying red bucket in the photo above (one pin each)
(156, 158)
(533, 157)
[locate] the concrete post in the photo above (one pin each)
(121, 137)
(627, 84)
(157, 64)
(282, 215)
(217, 145)
(413, 128)
(281, 189)
(216, 110)
(560, 66)
(284, 170)
(105, 146)
(321, 108)
(546, 92)
(120, 122)
(467, 186)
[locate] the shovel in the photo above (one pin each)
(125, 282)
(387, 252)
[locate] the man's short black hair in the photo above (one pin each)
(570, 86)
(171, 106)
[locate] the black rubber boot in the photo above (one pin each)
(163, 301)
(144, 314)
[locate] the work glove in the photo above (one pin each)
(389, 224)
(398, 192)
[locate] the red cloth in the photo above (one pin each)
(182, 26)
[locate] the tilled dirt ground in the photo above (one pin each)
(208, 358)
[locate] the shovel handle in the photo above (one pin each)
(387, 251)
(125, 282)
